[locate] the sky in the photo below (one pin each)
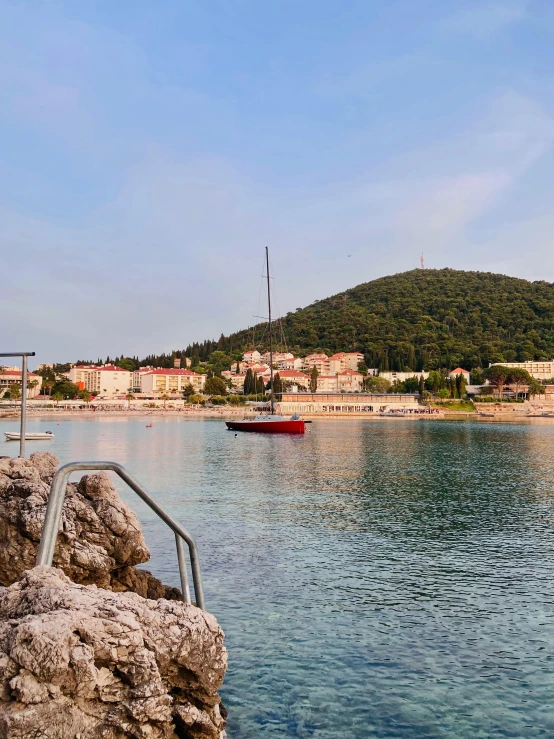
(151, 149)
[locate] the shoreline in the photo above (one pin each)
(230, 414)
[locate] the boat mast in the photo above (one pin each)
(270, 329)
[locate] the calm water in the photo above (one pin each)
(374, 579)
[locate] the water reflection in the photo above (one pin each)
(383, 579)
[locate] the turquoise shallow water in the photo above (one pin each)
(374, 578)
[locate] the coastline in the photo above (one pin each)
(222, 413)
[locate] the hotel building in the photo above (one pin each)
(336, 404)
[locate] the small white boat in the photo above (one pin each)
(29, 435)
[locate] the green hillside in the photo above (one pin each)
(421, 319)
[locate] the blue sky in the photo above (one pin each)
(151, 149)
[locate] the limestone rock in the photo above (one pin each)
(78, 661)
(100, 540)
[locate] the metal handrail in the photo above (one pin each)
(54, 513)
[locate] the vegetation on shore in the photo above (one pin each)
(417, 320)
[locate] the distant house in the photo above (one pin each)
(459, 371)
(538, 370)
(401, 376)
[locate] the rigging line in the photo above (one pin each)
(257, 308)
(276, 301)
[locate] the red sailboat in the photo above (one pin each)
(272, 423)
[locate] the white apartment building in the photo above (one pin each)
(294, 363)
(12, 376)
(251, 356)
(344, 360)
(393, 377)
(168, 381)
(538, 370)
(319, 361)
(106, 381)
(295, 377)
(346, 381)
(278, 357)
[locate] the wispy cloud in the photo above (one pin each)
(484, 19)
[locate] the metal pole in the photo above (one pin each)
(183, 569)
(23, 405)
(270, 329)
(54, 509)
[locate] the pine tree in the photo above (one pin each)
(314, 374)
(421, 385)
(249, 385)
(277, 388)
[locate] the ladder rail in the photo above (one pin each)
(53, 517)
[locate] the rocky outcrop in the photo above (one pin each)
(100, 540)
(77, 661)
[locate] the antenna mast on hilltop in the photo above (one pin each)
(422, 261)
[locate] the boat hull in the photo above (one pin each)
(268, 427)
(28, 437)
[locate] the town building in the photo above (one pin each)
(538, 370)
(459, 371)
(295, 377)
(401, 376)
(344, 360)
(12, 376)
(347, 381)
(294, 363)
(106, 380)
(363, 404)
(319, 361)
(251, 356)
(167, 381)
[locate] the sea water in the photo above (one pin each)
(386, 578)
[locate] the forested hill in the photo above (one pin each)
(420, 319)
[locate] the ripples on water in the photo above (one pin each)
(374, 579)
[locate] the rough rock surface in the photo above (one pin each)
(78, 661)
(100, 540)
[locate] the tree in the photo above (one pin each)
(277, 388)
(411, 384)
(237, 369)
(67, 389)
(127, 363)
(15, 391)
(31, 385)
(518, 376)
(460, 385)
(377, 385)
(497, 375)
(165, 398)
(209, 374)
(476, 377)
(47, 385)
(249, 386)
(188, 390)
(128, 398)
(421, 386)
(434, 382)
(215, 386)
(57, 397)
(314, 374)
(362, 368)
(535, 388)
(85, 396)
(260, 385)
